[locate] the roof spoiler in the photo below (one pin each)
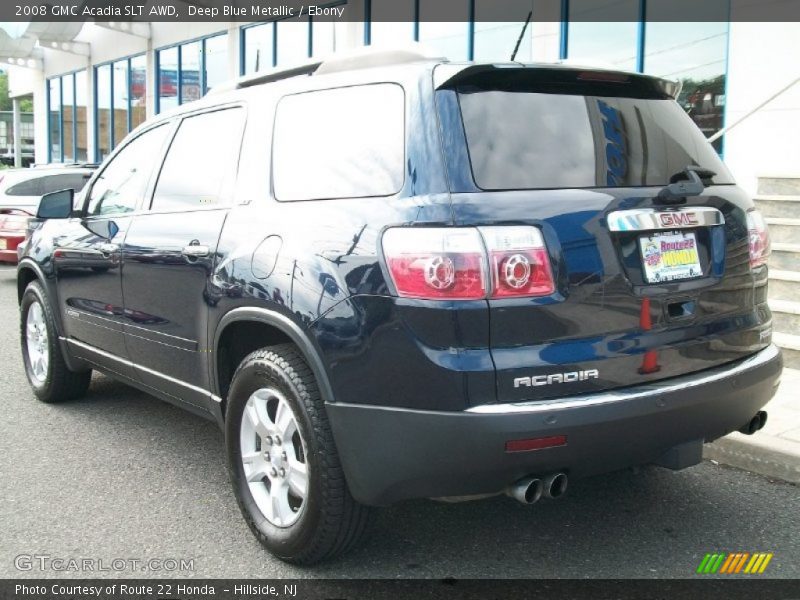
(452, 75)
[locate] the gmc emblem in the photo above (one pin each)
(678, 219)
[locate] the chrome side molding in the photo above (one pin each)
(648, 219)
(128, 363)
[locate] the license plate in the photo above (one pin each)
(3, 244)
(669, 256)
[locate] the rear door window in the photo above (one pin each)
(340, 143)
(530, 140)
(201, 163)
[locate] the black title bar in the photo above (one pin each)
(396, 10)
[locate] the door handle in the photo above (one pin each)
(108, 249)
(195, 251)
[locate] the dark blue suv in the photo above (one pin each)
(391, 277)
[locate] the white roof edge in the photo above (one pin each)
(359, 58)
(370, 57)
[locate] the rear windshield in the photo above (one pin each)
(531, 140)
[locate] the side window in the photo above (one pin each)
(340, 143)
(201, 163)
(123, 182)
(54, 183)
(31, 187)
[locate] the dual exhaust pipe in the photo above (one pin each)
(530, 490)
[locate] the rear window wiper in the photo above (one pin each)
(689, 182)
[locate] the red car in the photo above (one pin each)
(20, 192)
(13, 228)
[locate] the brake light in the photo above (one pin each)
(468, 263)
(758, 235)
(518, 261)
(436, 263)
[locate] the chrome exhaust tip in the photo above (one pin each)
(526, 491)
(555, 485)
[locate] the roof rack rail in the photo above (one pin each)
(360, 58)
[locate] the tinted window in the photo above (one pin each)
(38, 186)
(31, 187)
(123, 183)
(342, 143)
(527, 140)
(201, 162)
(67, 181)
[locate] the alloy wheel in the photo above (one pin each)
(274, 457)
(37, 342)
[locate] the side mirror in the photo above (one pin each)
(56, 205)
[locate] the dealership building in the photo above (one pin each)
(93, 82)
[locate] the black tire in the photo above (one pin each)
(59, 384)
(331, 521)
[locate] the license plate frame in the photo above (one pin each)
(3, 244)
(669, 256)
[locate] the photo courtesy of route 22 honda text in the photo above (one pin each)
(388, 276)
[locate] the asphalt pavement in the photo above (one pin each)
(121, 475)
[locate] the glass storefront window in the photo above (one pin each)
(121, 92)
(694, 53)
(186, 72)
(68, 118)
(54, 101)
(612, 41)
(496, 40)
(258, 48)
(216, 63)
(189, 75)
(451, 39)
(292, 41)
(392, 22)
(138, 80)
(323, 38)
(167, 79)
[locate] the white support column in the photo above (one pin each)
(17, 124)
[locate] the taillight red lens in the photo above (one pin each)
(758, 235)
(452, 263)
(436, 263)
(519, 262)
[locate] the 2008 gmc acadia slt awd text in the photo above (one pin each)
(391, 277)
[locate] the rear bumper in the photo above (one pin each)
(392, 454)
(8, 253)
(9, 256)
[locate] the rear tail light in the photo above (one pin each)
(518, 262)
(758, 235)
(467, 263)
(446, 263)
(13, 222)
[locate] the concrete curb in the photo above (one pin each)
(766, 456)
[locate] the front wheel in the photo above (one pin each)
(283, 463)
(47, 372)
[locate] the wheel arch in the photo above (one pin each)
(27, 271)
(283, 326)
